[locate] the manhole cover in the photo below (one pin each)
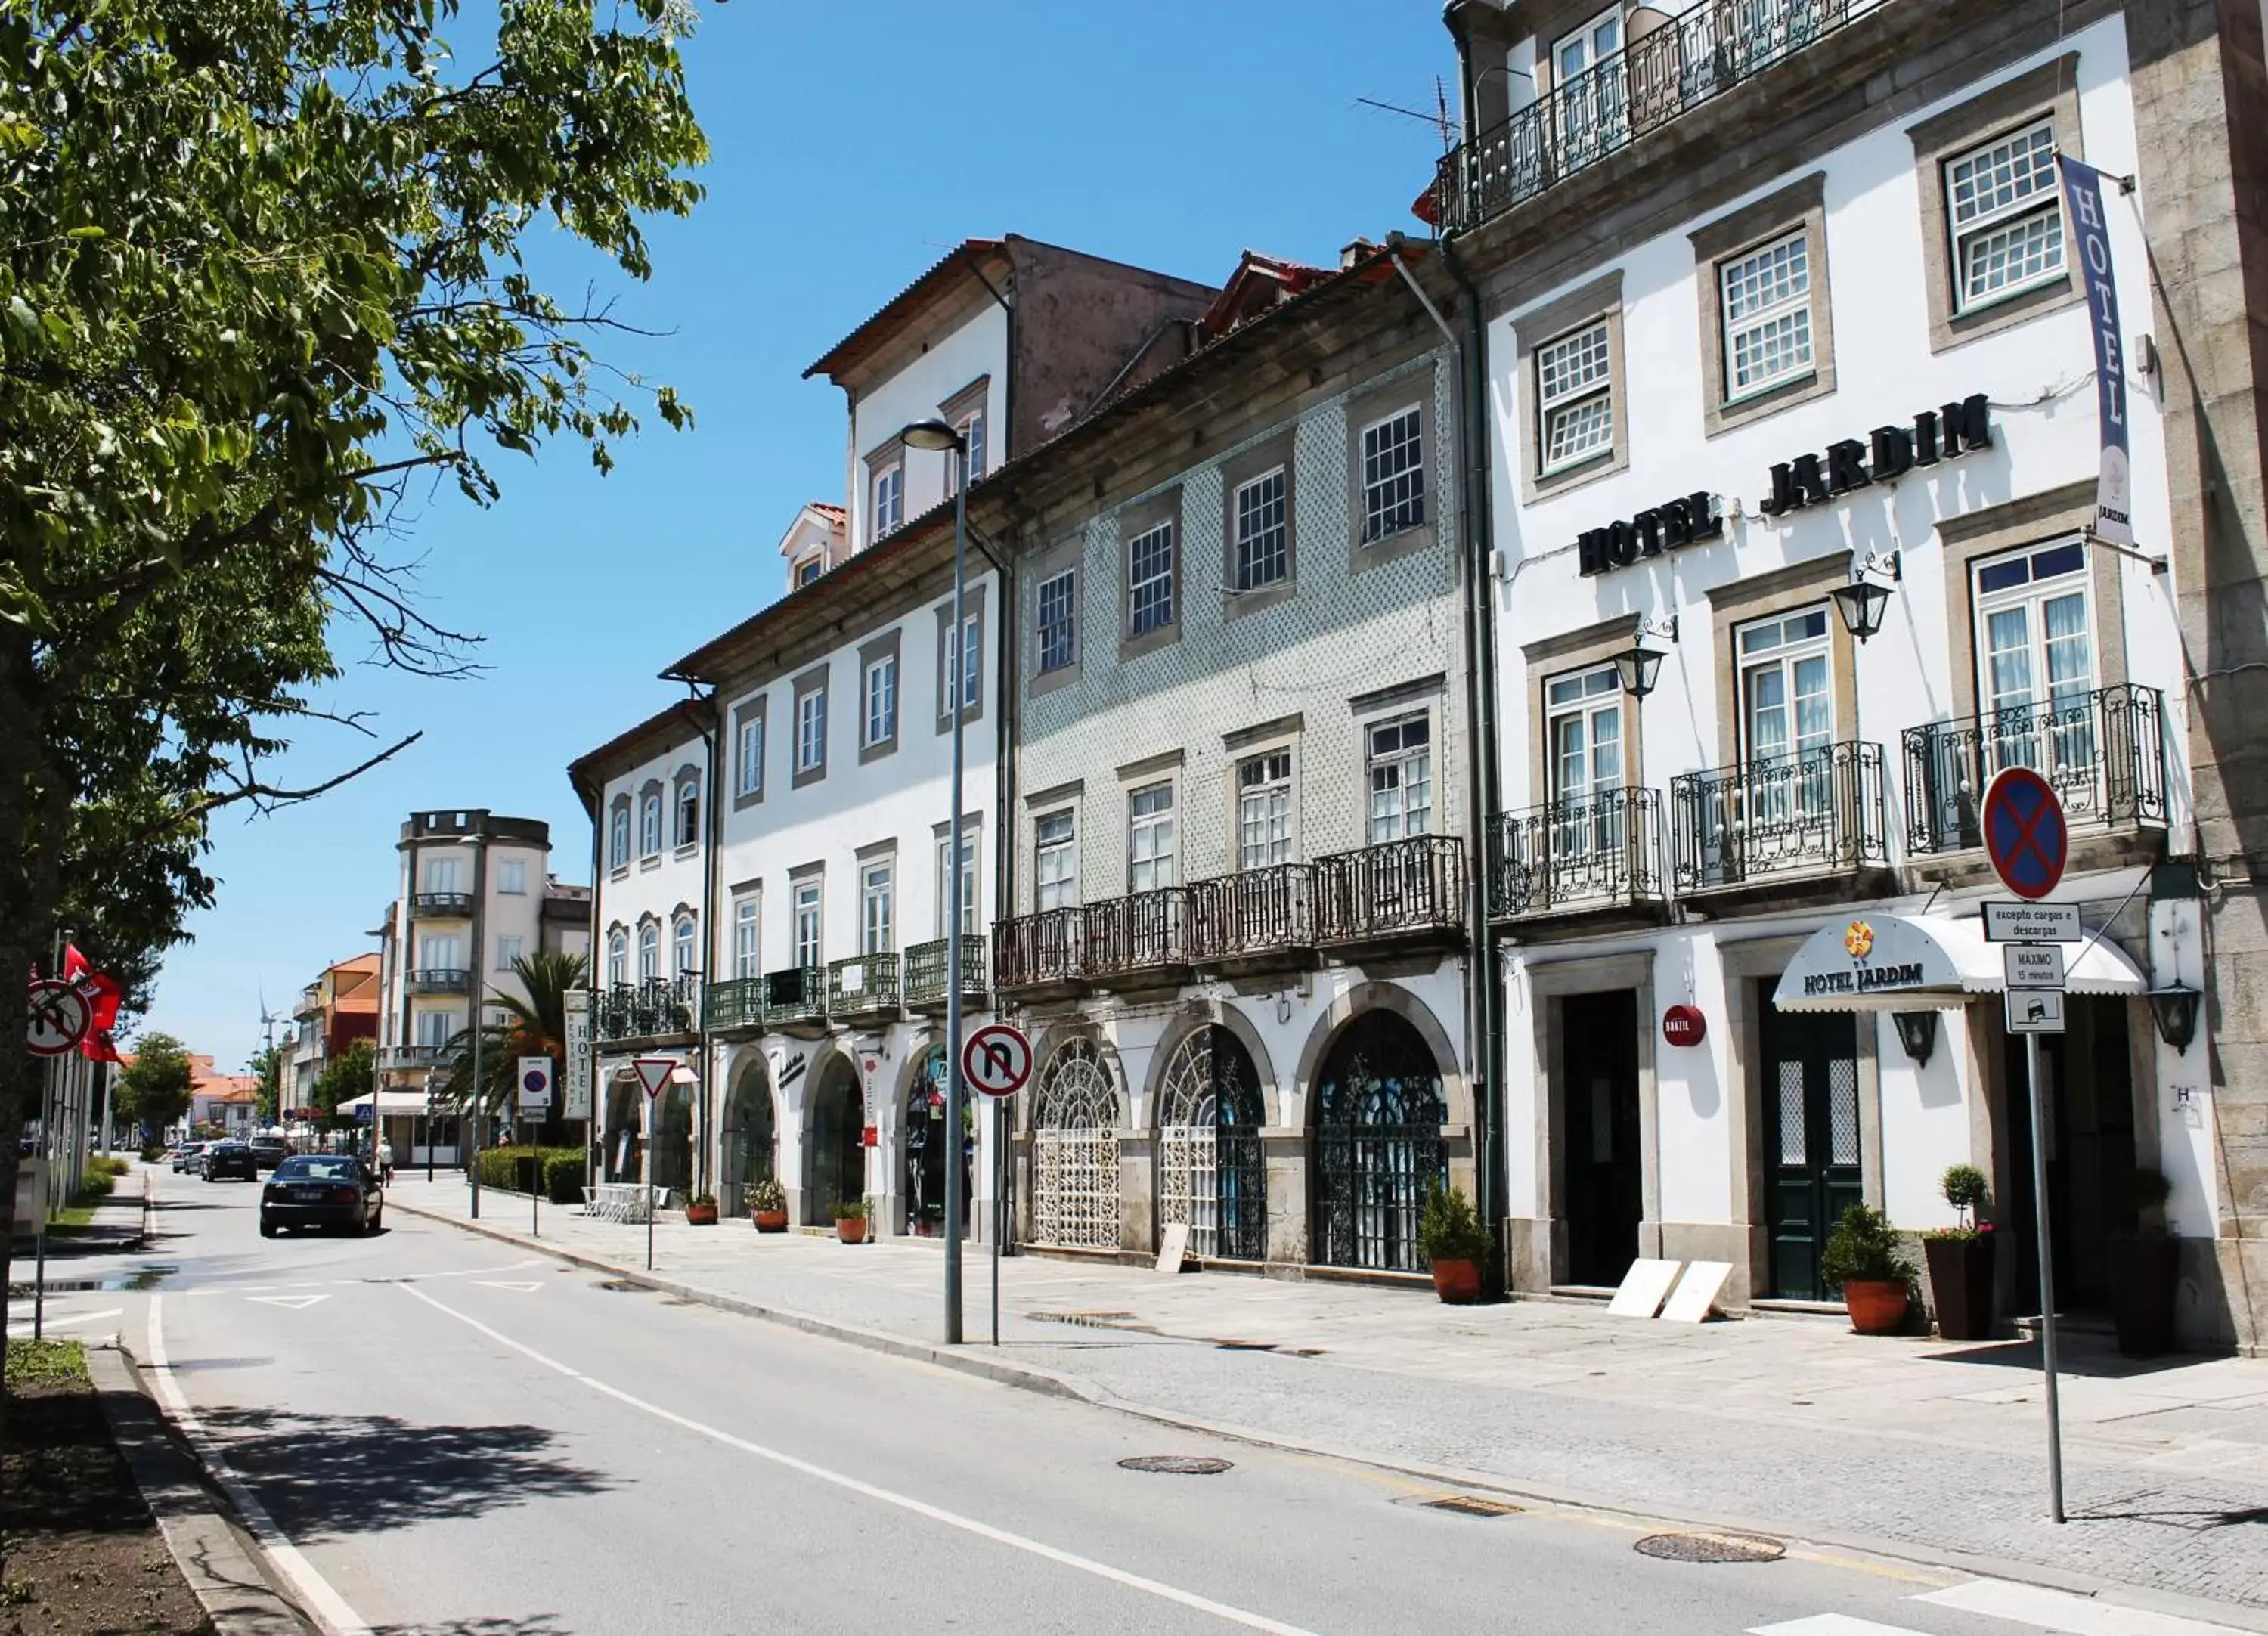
(1711, 1548)
(1471, 1506)
(1177, 1465)
(620, 1284)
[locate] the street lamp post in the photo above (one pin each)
(936, 435)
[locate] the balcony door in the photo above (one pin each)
(1586, 75)
(1584, 727)
(1788, 729)
(2035, 664)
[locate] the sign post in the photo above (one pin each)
(2028, 843)
(996, 1060)
(534, 1104)
(653, 1074)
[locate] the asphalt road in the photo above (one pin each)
(453, 1437)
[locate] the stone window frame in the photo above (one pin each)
(1270, 452)
(1579, 308)
(1141, 517)
(1066, 557)
(616, 929)
(1365, 410)
(973, 607)
(889, 452)
(1286, 734)
(812, 875)
(1166, 768)
(812, 680)
(1426, 697)
(1785, 590)
(683, 917)
(1061, 799)
(751, 711)
(2045, 519)
(883, 648)
(1556, 657)
(972, 829)
(972, 401)
(2046, 92)
(751, 891)
(622, 809)
(1799, 206)
(880, 853)
(648, 858)
(687, 777)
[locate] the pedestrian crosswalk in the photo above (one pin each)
(2030, 1607)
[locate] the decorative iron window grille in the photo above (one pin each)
(1210, 1171)
(1379, 1146)
(1075, 1152)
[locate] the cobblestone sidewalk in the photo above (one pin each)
(1792, 1425)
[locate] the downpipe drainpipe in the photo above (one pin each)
(1484, 992)
(592, 1126)
(701, 712)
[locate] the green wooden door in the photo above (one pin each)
(1811, 1137)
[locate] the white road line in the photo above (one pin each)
(2060, 1612)
(1833, 1624)
(316, 1595)
(23, 1326)
(904, 1502)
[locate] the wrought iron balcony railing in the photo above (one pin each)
(657, 1006)
(862, 984)
(736, 1003)
(1032, 950)
(442, 905)
(1143, 931)
(410, 1057)
(795, 994)
(1396, 888)
(441, 980)
(1598, 851)
(2104, 752)
(1784, 814)
(925, 970)
(1254, 911)
(1684, 63)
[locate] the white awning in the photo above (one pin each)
(394, 1102)
(1925, 962)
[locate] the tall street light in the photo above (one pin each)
(936, 435)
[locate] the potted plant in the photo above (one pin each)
(2146, 1270)
(701, 1210)
(1866, 1259)
(1455, 1243)
(768, 1205)
(851, 1220)
(1961, 1257)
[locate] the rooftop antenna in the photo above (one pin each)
(1439, 119)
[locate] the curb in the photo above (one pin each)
(223, 1571)
(1031, 1377)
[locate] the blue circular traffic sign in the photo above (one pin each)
(2025, 835)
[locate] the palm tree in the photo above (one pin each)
(535, 1026)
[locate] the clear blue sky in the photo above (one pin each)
(851, 145)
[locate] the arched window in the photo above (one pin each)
(618, 842)
(681, 939)
(618, 952)
(688, 812)
(649, 825)
(1209, 1170)
(1075, 1152)
(649, 952)
(1378, 1144)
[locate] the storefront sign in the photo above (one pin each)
(1890, 453)
(2114, 501)
(1652, 532)
(1882, 953)
(1684, 1025)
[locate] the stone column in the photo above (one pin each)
(1138, 1203)
(1284, 1151)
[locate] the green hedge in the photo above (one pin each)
(99, 1185)
(99, 1165)
(505, 1167)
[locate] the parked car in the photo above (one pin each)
(185, 1156)
(270, 1151)
(321, 1191)
(226, 1159)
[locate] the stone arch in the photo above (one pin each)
(1078, 1111)
(1377, 1144)
(922, 1150)
(1390, 997)
(1072, 1030)
(622, 1133)
(749, 1137)
(834, 1123)
(1211, 1175)
(1192, 1016)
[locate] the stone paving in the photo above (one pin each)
(1796, 1425)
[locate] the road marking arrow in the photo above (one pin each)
(290, 1303)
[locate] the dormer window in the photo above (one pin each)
(807, 570)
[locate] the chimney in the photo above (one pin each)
(1355, 253)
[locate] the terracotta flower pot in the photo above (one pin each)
(1877, 1307)
(1457, 1282)
(851, 1232)
(701, 1215)
(771, 1220)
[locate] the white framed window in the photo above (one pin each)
(442, 875)
(806, 924)
(1401, 758)
(1787, 697)
(808, 569)
(1149, 579)
(1765, 302)
(1589, 90)
(877, 898)
(618, 844)
(751, 765)
(1392, 475)
(972, 660)
(511, 877)
(811, 731)
(688, 813)
(441, 952)
(1058, 627)
(967, 885)
(683, 957)
(747, 931)
(434, 1028)
(508, 950)
(2034, 630)
(1263, 531)
(882, 689)
(649, 952)
(1055, 844)
(649, 825)
(1583, 724)
(2004, 212)
(618, 958)
(1263, 810)
(889, 495)
(500, 1020)
(1150, 851)
(971, 428)
(1574, 396)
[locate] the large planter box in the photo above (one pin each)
(1960, 1283)
(2145, 1272)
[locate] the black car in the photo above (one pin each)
(229, 1159)
(321, 1191)
(270, 1151)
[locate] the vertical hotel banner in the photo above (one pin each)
(2114, 505)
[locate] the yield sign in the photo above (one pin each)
(653, 1072)
(2024, 832)
(290, 1303)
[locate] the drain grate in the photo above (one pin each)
(1469, 1505)
(1711, 1548)
(623, 1284)
(1090, 1320)
(1177, 1465)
